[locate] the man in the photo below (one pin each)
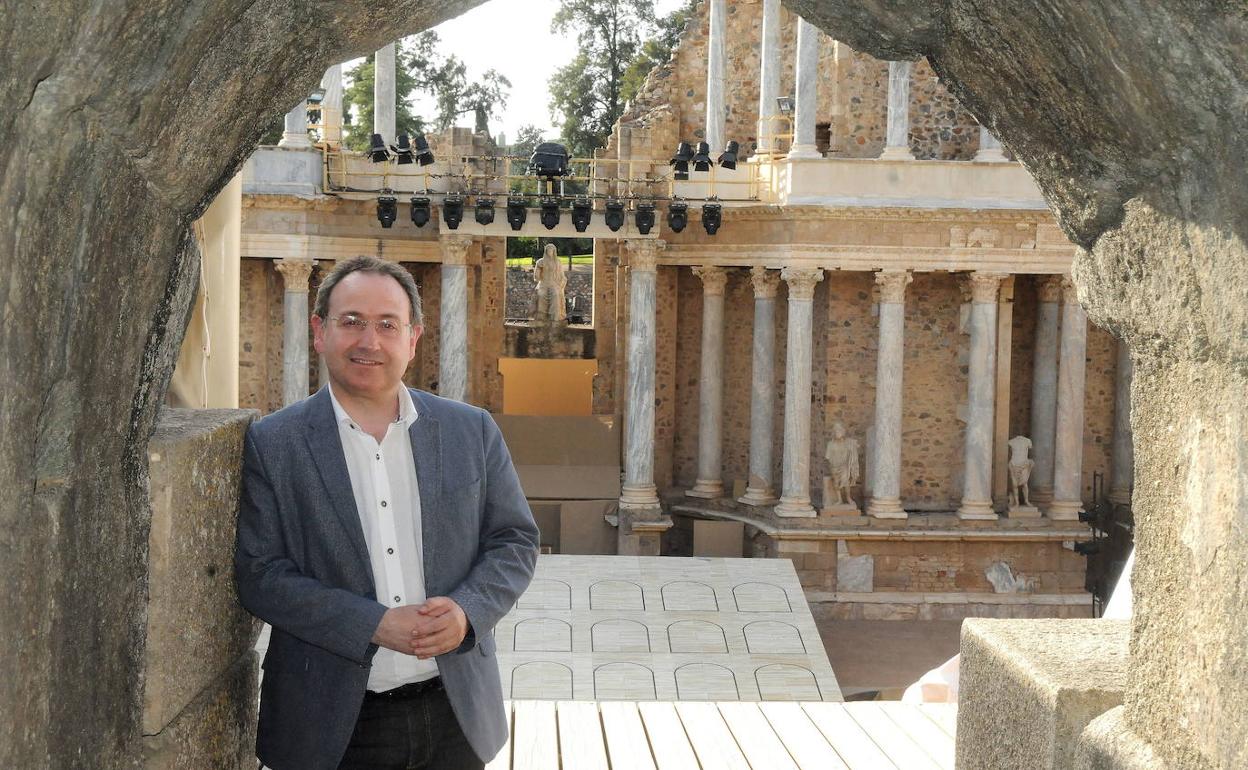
(382, 533)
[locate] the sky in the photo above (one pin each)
(514, 37)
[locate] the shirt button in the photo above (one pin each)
(397, 600)
(383, 503)
(389, 550)
(378, 457)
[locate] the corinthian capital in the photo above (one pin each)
(893, 285)
(985, 287)
(643, 254)
(801, 281)
(766, 282)
(1049, 288)
(295, 273)
(714, 279)
(455, 248)
(1070, 292)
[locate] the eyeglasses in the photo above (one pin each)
(353, 324)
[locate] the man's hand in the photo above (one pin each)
(394, 632)
(441, 626)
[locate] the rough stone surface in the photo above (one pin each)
(195, 627)
(95, 290)
(1131, 120)
(216, 730)
(1029, 687)
(1108, 744)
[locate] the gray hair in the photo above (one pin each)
(377, 267)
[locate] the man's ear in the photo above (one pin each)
(318, 333)
(411, 348)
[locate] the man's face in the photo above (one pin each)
(366, 363)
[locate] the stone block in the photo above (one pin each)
(1028, 688)
(718, 538)
(195, 627)
(217, 729)
(854, 574)
(1107, 743)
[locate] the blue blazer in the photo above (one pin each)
(301, 565)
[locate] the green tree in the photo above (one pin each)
(528, 137)
(455, 95)
(586, 95)
(657, 49)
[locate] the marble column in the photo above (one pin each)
(710, 482)
(295, 274)
(981, 393)
(1068, 439)
(385, 100)
(453, 318)
(807, 91)
(990, 150)
(295, 133)
(769, 78)
(331, 105)
(715, 46)
(897, 136)
(1044, 388)
(759, 490)
(638, 491)
(795, 497)
(325, 267)
(885, 500)
(1122, 480)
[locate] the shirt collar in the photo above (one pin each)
(407, 408)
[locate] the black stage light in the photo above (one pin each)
(453, 210)
(387, 210)
(582, 212)
(420, 211)
(549, 160)
(423, 154)
(485, 210)
(677, 215)
(403, 151)
(615, 215)
(550, 213)
(643, 217)
(702, 158)
(712, 215)
(729, 157)
(684, 153)
(517, 211)
(377, 152)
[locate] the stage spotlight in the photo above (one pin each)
(615, 215)
(377, 152)
(517, 211)
(712, 215)
(643, 217)
(549, 160)
(582, 212)
(684, 153)
(729, 157)
(423, 154)
(453, 210)
(387, 210)
(420, 211)
(485, 210)
(550, 213)
(403, 150)
(677, 215)
(702, 158)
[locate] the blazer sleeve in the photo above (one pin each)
(508, 543)
(271, 587)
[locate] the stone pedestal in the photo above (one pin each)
(981, 390)
(1068, 441)
(897, 137)
(795, 500)
(835, 509)
(295, 274)
(638, 491)
(1023, 512)
(804, 111)
(759, 489)
(710, 483)
(453, 318)
(886, 466)
(295, 131)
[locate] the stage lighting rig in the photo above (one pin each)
(387, 210)
(403, 151)
(702, 158)
(582, 212)
(423, 154)
(728, 159)
(712, 216)
(550, 212)
(453, 210)
(614, 216)
(684, 154)
(517, 211)
(643, 217)
(485, 210)
(677, 216)
(420, 211)
(377, 151)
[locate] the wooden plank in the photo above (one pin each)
(710, 736)
(627, 746)
(937, 743)
(668, 740)
(535, 742)
(891, 739)
(580, 735)
(943, 714)
(803, 740)
(502, 760)
(762, 748)
(847, 737)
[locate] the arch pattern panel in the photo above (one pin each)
(761, 597)
(771, 637)
(706, 681)
(689, 595)
(541, 680)
(696, 636)
(546, 595)
(542, 635)
(623, 681)
(616, 595)
(619, 635)
(784, 681)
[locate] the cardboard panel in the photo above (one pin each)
(583, 530)
(718, 538)
(548, 386)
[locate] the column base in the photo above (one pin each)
(804, 151)
(897, 153)
(708, 489)
(977, 510)
(886, 508)
(795, 508)
(295, 141)
(994, 155)
(634, 496)
(1041, 497)
(1064, 510)
(758, 496)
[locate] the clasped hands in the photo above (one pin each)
(438, 626)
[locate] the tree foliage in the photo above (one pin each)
(657, 49)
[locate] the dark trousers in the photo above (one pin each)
(416, 733)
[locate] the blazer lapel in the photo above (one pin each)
(426, 437)
(326, 448)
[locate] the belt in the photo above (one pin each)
(408, 691)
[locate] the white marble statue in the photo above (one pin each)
(1020, 471)
(551, 281)
(842, 456)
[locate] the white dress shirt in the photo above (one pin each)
(383, 481)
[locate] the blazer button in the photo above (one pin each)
(383, 503)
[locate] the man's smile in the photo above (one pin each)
(365, 361)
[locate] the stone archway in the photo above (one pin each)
(123, 123)
(1131, 119)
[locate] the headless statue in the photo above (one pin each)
(1020, 471)
(551, 281)
(842, 456)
